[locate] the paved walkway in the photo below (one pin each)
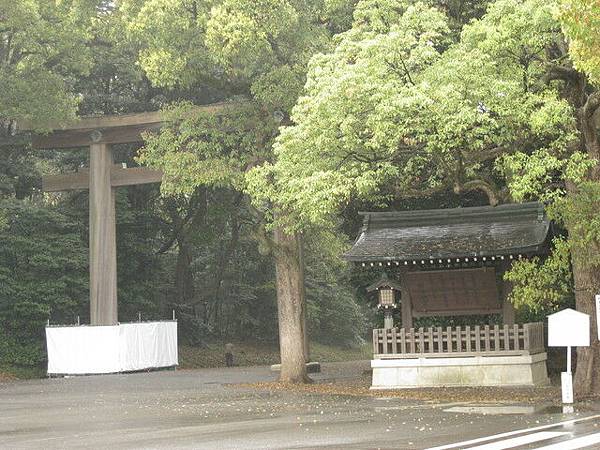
(196, 409)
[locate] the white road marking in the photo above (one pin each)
(512, 433)
(521, 440)
(581, 442)
(511, 409)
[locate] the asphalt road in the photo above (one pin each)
(198, 409)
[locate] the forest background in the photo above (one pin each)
(333, 75)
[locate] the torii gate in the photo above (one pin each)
(102, 178)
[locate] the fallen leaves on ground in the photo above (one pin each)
(6, 377)
(361, 387)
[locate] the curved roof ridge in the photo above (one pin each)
(451, 233)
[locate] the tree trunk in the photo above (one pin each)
(290, 307)
(587, 373)
(586, 279)
(586, 276)
(184, 278)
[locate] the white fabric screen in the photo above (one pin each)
(110, 349)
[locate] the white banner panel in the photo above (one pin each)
(145, 345)
(81, 350)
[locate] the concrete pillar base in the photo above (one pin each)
(311, 367)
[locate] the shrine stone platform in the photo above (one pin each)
(517, 370)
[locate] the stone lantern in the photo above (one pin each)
(388, 292)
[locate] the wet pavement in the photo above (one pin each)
(200, 409)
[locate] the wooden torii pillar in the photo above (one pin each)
(102, 178)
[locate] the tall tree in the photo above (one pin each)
(257, 50)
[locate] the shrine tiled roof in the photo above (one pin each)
(486, 231)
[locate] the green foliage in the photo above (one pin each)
(260, 51)
(393, 108)
(205, 149)
(334, 313)
(579, 213)
(244, 47)
(535, 175)
(114, 84)
(42, 275)
(543, 285)
(350, 133)
(43, 46)
(581, 22)
(197, 254)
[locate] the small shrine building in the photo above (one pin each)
(451, 262)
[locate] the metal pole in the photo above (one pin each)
(569, 359)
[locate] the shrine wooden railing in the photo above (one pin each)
(487, 340)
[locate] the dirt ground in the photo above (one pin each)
(360, 386)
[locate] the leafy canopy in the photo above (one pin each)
(43, 47)
(397, 106)
(246, 47)
(581, 22)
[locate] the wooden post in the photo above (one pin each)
(406, 309)
(403, 340)
(508, 310)
(103, 244)
(376, 342)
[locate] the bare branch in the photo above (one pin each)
(480, 185)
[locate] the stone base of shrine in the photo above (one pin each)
(514, 370)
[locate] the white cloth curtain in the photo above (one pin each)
(111, 349)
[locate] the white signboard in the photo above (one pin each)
(568, 328)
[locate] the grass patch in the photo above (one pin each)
(8, 373)
(213, 355)
(256, 354)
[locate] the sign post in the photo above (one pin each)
(598, 314)
(566, 381)
(569, 328)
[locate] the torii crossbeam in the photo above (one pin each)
(102, 178)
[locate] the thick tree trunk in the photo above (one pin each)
(586, 276)
(291, 307)
(586, 279)
(587, 373)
